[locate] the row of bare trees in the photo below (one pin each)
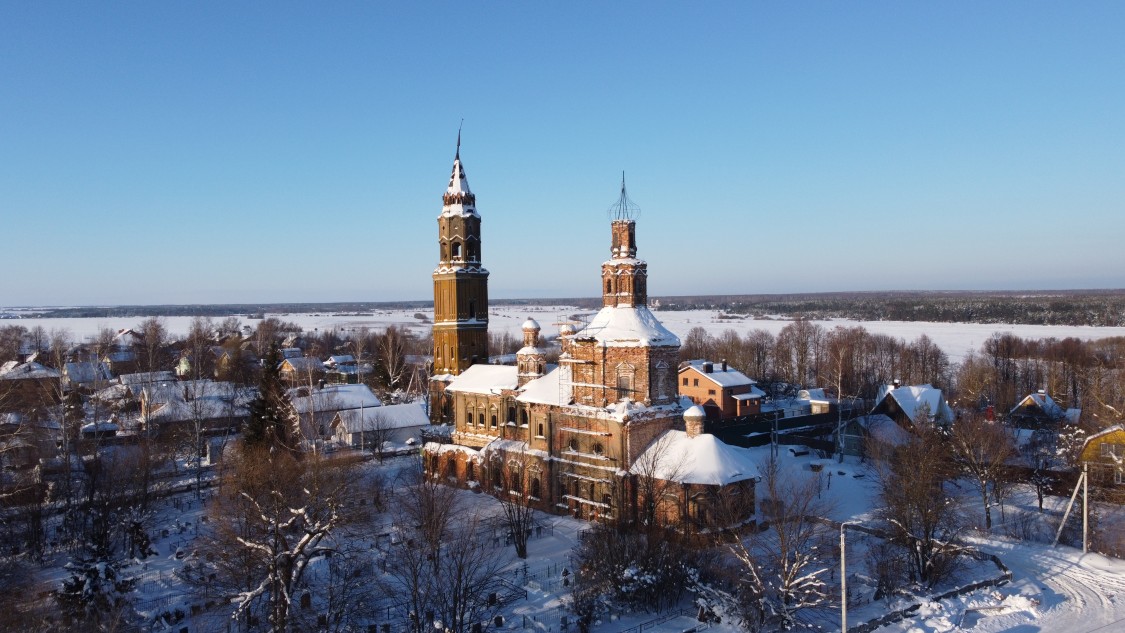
(805, 354)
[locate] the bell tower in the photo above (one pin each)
(460, 286)
(624, 277)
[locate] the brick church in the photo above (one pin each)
(592, 436)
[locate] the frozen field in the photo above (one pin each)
(954, 338)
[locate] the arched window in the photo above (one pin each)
(470, 471)
(493, 418)
(573, 444)
(456, 250)
(598, 448)
(472, 308)
(539, 430)
(662, 380)
(608, 286)
(523, 419)
(512, 415)
(625, 373)
(535, 487)
(480, 419)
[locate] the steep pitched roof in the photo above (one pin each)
(913, 399)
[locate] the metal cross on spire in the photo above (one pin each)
(624, 208)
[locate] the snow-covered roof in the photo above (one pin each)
(753, 394)
(548, 389)
(28, 370)
(146, 378)
(703, 459)
(1045, 403)
(395, 416)
(484, 379)
(1104, 432)
(203, 399)
(621, 326)
(530, 324)
(87, 371)
(459, 199)
(882, 429)
(912, 398)
(333, 398)
(729, 377)
(344, 359)
(302, 364)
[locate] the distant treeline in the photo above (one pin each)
(1062, 307)
(1065, 307)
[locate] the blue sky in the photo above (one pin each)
(180, 152)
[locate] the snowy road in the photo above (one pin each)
(1052, 591)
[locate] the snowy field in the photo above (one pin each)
(955, 339)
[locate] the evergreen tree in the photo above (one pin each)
(273, 421)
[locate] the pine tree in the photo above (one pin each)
(272, 417)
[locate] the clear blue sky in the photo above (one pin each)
(205, 152)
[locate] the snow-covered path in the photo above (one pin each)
(1052, 591)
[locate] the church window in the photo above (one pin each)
(456, 250)
(523, 419)
(608, 286)
(512, 415)
(470, 471)
(472, 308)
(598, 449)
(573, 444)
(662, 380)
(480, 420)
(493, 420)
(535, 487)
(539, 432)
(624, 381)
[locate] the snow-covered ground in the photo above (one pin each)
(955, 339)
(1052, 590)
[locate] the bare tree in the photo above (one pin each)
(982, 449)
(278, 512)
(920, 515)
(442, 566)
(656, 473)
(783, 567)
(515, 498)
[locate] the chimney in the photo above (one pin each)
(897, 383)
(708, 367)
(724, 364)
(694, 418)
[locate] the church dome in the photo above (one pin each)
(530, 324)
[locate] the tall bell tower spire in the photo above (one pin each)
(624, 277)
(460, 282)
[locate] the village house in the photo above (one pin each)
(1038, 410)
(1104, 455)
(914, 405)
(302, 370)
(722, 391)
(29, 386)
(563, 438)
(372, 428)
(87, 375)
(319, 404)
